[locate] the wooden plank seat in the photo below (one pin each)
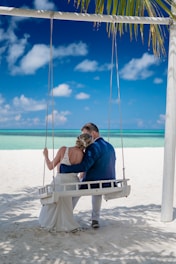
(110, 189)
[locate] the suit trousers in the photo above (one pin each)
(96, 205)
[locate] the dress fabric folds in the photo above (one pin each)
(59, 216)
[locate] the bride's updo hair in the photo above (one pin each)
(83, 141)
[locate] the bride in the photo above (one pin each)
(59, 216)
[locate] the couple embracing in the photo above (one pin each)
(92, 158)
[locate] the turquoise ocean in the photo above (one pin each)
(16, 139)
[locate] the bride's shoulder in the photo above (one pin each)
(62, 150)
(75, 151)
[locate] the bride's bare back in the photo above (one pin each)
(75, 153)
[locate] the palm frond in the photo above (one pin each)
(141, 8)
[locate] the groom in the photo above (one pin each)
(98, 164)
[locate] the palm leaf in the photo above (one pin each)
(141, 8)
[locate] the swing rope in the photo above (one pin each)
(114, 47)
(50, 93)
(110, 90)
(51, 84)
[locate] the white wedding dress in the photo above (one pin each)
(59, 216)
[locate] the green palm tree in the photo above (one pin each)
(141, 8)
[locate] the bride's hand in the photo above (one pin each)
(45, 152)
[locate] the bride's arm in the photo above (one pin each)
(53, 163)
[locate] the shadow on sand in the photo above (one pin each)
(127, 235)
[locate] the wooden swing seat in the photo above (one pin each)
(110, 189)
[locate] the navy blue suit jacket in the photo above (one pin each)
(98, 162)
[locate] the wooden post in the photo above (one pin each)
(170, 133)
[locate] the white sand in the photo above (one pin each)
(130, 232)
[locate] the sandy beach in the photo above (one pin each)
(130, 228)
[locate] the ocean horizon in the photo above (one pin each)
(16, 139)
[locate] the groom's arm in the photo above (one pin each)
(89, 159)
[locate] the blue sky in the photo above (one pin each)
(81, 70)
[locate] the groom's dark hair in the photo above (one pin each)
(90, 127)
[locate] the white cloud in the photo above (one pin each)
(17, 117)
(28, 104)
(62, 90)
(73, 49)
(139, 68)
(82, 96)
(7, 115)
(161, 119)
(158, 80)
(3, 35)
(37, 57)
(87, 66)
(44, 4)
(18, 121)
(91, 66)
(14, 46)
(2, 50)
(5, 109)
(10, 34)
(14, 113)
(59, 117)
(16, 50)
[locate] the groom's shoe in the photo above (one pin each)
(95, 224)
